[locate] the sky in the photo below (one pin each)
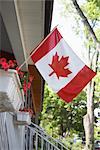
(65, 26)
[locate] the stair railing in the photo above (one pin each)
(55, 141)
(37, 139)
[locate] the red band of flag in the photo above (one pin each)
(47, 46)
(76, 85)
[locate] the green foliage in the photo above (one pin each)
(59, 117)
(67, 7)
(77, 145)
(97, 90)
(97, 133)
(92, 10)
(97, 32)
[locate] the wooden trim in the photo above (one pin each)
(36, 88)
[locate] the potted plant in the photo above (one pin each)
(24, 116)
(13, 85)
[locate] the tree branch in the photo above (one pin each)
(85, 20)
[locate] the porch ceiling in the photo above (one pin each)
(24, 22)
(30, 15)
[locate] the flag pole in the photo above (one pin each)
(36, 48)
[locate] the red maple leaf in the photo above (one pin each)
(59, 66)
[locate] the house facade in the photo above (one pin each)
(23, 25)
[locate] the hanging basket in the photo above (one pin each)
(23, 118)
(11, 96)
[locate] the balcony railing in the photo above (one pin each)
(4, 144)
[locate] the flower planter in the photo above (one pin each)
(11, 96)
(23, 118)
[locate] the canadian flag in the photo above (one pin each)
(61, 68)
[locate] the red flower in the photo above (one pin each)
(27, 110)
(30, 78)
(24, 84)
(2, 60)
(30, 111)
(20, 73)
(17, 69)
(5, 66)
(11, 63)
(24, 87)
(28, 85)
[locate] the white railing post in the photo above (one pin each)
(30, 140)
(48, 146)
(4, 144)
(36, 142)
(61, 148)
(51, 147)
(42, 143)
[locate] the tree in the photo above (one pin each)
(89, 117)
(90, 19)
(60, 118)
